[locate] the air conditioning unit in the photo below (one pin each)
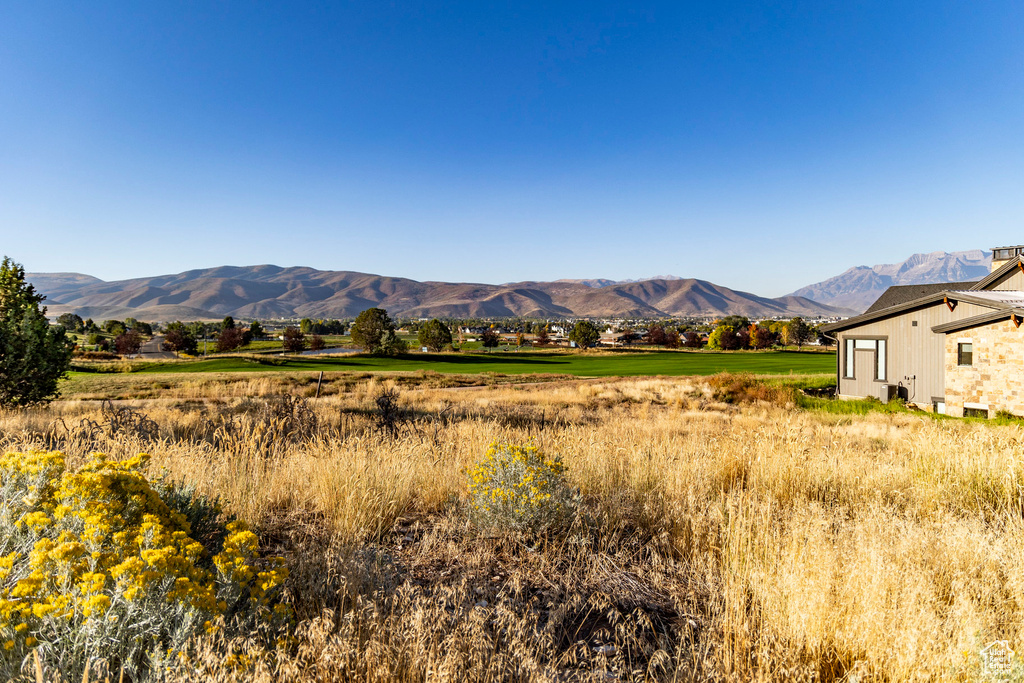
(888, 392)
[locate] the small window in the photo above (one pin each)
(965, 354)
(913, 323)
(848, 359)
(975, 412)
(880, 360)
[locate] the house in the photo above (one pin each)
(955, 348)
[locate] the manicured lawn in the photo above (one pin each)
(585, 365)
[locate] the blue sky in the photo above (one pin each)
(762, 146)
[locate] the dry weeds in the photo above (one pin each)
(745, 541)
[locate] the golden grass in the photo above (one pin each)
(751, 542)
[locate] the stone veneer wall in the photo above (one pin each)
(996, 377)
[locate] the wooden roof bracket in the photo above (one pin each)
(1016, 321)
(950, 303)
(1020, 264)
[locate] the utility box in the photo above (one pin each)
(888, 392)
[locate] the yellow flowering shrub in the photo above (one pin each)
(95, 564)
(517, 487)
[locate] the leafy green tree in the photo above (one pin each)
(374, 331)
(736, 322)
(724, 338)
(33, 356)
(799, 332)
(179, 338)
(71, 322)
(306, 326)
(585, 334)
(256, 330)
(114, 327)
(543, 336)
(228, 323)
(434, 335)
(392, 344)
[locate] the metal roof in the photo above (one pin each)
(1004, 296)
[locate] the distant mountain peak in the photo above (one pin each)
(604, 282)
(271, 292)
(858, 287)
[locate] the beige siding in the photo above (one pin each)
(1012, 281)
(912, 351)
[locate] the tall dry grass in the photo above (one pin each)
(717, 542)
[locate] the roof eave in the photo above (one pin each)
(998, 273)
(977, 320)
(931, 299)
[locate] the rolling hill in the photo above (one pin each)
(859, 287)
(269, 292)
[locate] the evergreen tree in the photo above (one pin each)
(374, 331)
(585, 334)
(33, 356)
(434, 335)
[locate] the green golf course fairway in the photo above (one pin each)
(584, 365)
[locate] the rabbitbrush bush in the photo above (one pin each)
(95, 566)
(516, 487)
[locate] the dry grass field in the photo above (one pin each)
(722, 533)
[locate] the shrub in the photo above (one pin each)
(517, 488)
(96, 566)
(742, 388)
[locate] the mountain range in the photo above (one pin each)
(270, 292)
(859, 287)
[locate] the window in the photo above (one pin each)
(878, 346)
(976, 412)
(965, 354)
(848, 359)
(880, 360)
